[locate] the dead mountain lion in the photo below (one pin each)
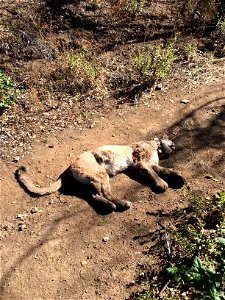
(97, 166)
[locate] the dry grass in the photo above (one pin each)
(57, 50)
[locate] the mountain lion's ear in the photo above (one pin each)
(158, 142)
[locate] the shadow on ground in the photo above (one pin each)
(201, 130)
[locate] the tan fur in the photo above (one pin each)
(95, 168)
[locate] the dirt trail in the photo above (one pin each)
(67, 250)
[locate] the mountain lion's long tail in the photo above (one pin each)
(27, 182)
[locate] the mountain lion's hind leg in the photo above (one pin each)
(105, 196)
(99, 197)
(108, 195)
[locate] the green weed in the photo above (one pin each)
(189, 51)
(197, 266)
(85, 67)
(221, 24)
(151, 291)
(201, 241)
(8, 91)
(205, 280)
(155, 65)
(135, 6)
(203, 225)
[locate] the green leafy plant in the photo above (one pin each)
(204, 223)
(150, 292)
(189, 51)
(221, 24)
(8, 91)
(156, 64)
(205, 280)
(201, 241)
(85, 67)
(135, 6)
(148, 295)
(197, 265)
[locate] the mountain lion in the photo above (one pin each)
(97, 166)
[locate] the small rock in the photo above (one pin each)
(22, 226)
(208, 176)
(20, 216)
(158, 87)
(34, 210)
(84, 262)
(105, 239)
(16, 159)
(184, 101)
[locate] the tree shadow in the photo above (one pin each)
(107, 24)
(203, 129)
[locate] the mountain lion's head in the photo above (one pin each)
(165, 146)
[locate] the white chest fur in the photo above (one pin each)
(154, 159)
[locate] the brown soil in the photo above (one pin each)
(62, 246)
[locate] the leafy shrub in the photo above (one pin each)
(134, 6)
(8, 91)
(77, 72)
(80, 71)
(205, 280)
(85, 66)
(201, 241)
(156, 64)
(219, 37)
(204, 223)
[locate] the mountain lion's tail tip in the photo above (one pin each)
(21, 170)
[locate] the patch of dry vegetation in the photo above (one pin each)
(90, 56)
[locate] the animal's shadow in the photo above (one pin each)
(174, 181)
(72, 187)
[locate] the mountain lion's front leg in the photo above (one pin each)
(164, 171)
(147, 171)
(173, 178)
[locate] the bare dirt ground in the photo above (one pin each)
(62, 247)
